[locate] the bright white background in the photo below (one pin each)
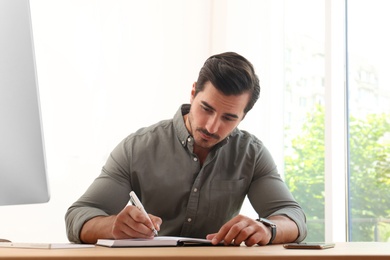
(106, 68)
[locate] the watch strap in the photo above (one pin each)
(271, 225)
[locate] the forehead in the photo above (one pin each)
(232, 104)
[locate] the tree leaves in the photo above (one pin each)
(369, 173)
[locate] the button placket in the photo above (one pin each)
(192, 207)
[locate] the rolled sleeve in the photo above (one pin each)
(75, 219)
(296, 215)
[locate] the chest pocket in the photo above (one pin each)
(226, 198)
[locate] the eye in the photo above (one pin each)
(227, 118)
(206, 109)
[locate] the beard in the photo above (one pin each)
(202, 137)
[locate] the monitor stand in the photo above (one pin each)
(4, 240)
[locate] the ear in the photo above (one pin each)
(193, 92)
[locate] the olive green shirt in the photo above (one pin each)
(159, 165)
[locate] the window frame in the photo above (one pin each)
(336, 123)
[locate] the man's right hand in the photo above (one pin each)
(129, 223)
(132, 223)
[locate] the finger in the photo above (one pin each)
(211, 236)
(246, 234)
(125, 231)
(122, 227)
(156, 221)
(253, 240)
(217, 238)
(138, 225)
(224, 230)
(234, 233)
(138, 216)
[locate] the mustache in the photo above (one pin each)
(205, 132)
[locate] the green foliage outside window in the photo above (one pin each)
(369, 179)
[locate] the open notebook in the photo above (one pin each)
(156, 241)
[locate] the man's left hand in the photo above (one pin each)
(242, 229)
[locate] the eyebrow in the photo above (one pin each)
(225, 114)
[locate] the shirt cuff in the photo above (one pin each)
(296, 215)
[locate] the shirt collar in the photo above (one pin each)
(179, 124)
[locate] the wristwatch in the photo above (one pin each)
(271, 225)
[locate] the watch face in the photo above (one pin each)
(266, 222)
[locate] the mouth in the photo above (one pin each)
(207, 136)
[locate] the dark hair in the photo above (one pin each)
(231, 74)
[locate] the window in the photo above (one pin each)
(368, 121)
(304, 154)
(312, 63)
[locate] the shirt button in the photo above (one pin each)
(195, 190)
(183, 142)
(195, 159)
(189, 219)
(189, 139)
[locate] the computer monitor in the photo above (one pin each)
(23, 177)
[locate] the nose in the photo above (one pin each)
(212, 125)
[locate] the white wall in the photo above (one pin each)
(106, 68)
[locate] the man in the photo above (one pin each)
(193, 172)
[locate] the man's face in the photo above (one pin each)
(213, 115)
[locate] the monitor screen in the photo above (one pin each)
(22, 157)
